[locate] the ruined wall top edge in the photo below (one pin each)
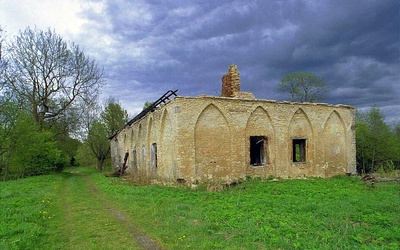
(266, 101)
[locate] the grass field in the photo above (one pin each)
(81, 209)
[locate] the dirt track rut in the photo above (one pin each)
(100, 201)
(141, 239)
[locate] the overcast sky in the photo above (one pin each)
(148, 47)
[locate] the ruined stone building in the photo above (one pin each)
(227, 137)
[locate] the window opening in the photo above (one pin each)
(299, 150)
(153, 156)
(258, 150)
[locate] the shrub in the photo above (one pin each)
(34, 152)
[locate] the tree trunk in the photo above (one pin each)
(100, 163)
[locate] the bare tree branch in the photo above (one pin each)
(54, 77)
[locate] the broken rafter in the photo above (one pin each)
(153, 106)
(163, 99)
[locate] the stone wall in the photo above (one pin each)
(207, 138)
(150, 143)
(215, 138)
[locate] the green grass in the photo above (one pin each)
(92, 225)
(57, 212)
(72, 211)
(332, 213)
(25, 212)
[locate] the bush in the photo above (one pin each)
(386, 167)
(33, 151)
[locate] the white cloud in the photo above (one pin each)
(58, 14)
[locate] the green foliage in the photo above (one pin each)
(396, 129)
(84, 156)
(303, 86)
(385, 167)
(25, 150)
(377, 144)
(47, 87)
(8, 118)
(147, 105)
(112, 119)
(98, 142)
(33, 151)
(69, 147)
(114, 116)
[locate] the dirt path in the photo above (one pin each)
(84, 206)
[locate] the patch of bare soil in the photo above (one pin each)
(144, 241)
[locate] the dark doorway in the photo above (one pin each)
(258, 150)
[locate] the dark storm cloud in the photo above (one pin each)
(159, 45)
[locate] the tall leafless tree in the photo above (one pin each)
(54, 78)
(1, 41)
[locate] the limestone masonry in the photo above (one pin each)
(209, 138)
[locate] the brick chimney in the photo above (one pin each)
(231, 82)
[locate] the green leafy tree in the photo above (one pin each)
(396, 129)
(26, 150)
(303, 86)
(69, 146)
(35, 153)
(9, 115)
(46, 87)
(85, 156)
(111, 119)
(98, 143)
(377, 145)
(114, 116)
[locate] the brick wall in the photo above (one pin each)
(231, 82)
